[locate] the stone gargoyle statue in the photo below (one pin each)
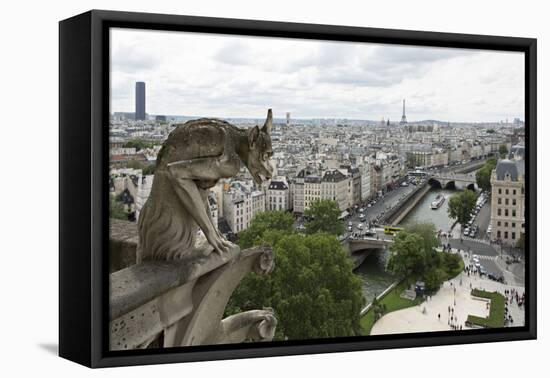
(193, 158)
(181, 302)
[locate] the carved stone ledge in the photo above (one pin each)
(184, 301)
(254, 325)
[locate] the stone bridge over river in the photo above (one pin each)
(451, 180)
(359, 248)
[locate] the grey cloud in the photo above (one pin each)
(132, 59)
(234, 53)
(412, 54)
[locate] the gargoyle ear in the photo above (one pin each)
(253, 135)
(268, 122)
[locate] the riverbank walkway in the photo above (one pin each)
(455, 295)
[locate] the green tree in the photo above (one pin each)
(427, 233)
(117, 210)
(138, 144)
(146, 168)
(262, 222)
(408, 257)
(461, 205)
(483, 175)
(149, 169)
(502, 150)
(433, 279)
(134, 164)
(378, 308)
(312, 288)
(490, 131)
(323, 215)
(414, 256)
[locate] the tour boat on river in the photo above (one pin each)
(436, 204)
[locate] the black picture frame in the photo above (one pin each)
(83, 161)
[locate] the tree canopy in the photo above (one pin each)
(407, 255)
(312, 288)
(138, 144)
(117, 209)
(502, 150)
(483, 175)
(414, 256)
(461, 205)
(269, 220)
(323, 217)
(146, 168)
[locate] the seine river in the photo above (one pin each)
(373, 274)
(372, 270)
(422, 212)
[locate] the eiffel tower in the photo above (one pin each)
(403, 117)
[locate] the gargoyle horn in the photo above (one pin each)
(268, 122)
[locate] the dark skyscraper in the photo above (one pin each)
(140, 101)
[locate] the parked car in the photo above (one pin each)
(370, 232)
(360, 226)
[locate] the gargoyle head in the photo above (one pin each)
(260, 151)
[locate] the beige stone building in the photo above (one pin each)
(337, 187)
(508, 201)
(312, 190)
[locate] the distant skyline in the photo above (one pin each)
(232, 76)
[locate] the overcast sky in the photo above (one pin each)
(231, 76)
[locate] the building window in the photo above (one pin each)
(499, 212)
(505, 212)
(506, 201)
(505, 224)
(513, 225)
(514, 192)
(513, 236)
(498, 223)
(499, 191)
(514, 202)
(513, 213)
(498, 234)
(499, 201)
(506, 191)
(505, 234)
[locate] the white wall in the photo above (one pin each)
(29, 34)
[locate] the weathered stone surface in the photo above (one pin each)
(193, 158)
(123, 240)
(185, 299)
(173, 290)
(140, 283)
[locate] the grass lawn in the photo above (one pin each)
(496, 312)
(393, 302)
